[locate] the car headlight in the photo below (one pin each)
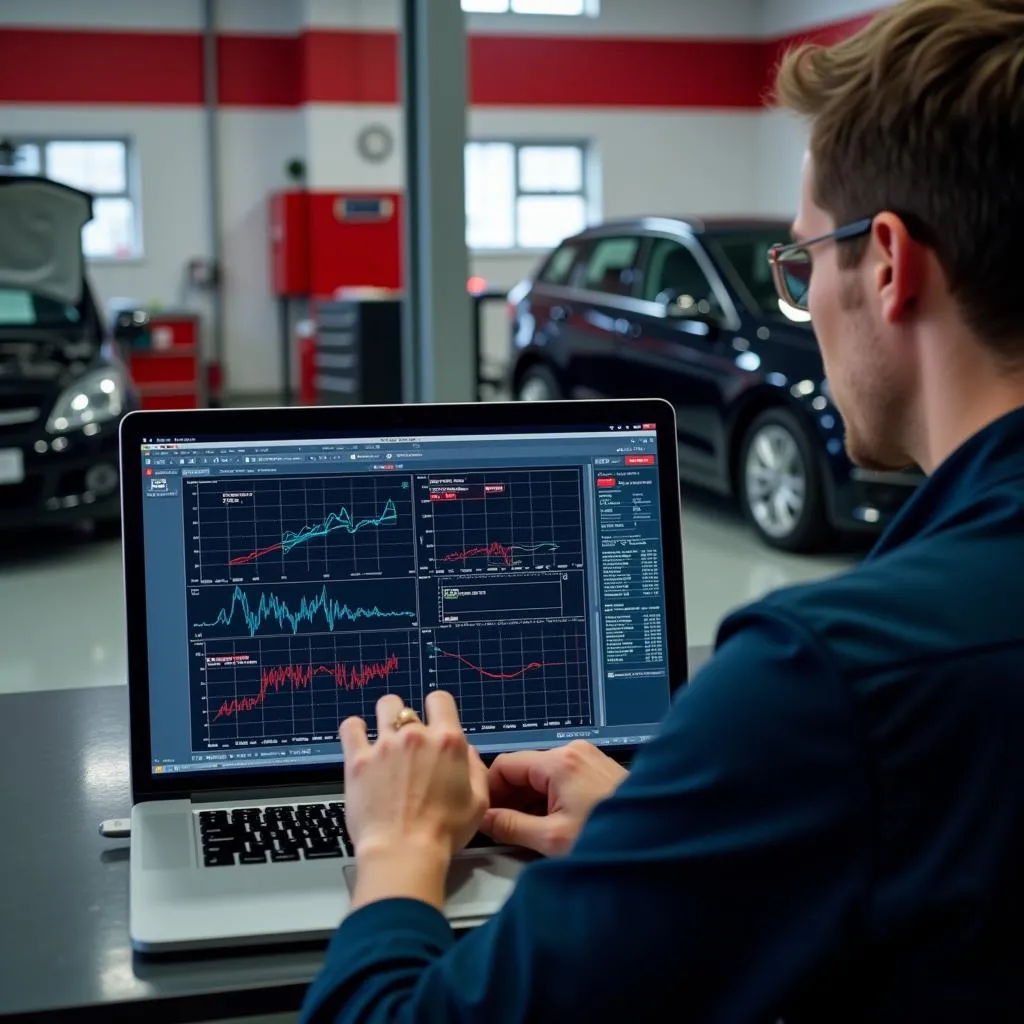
(94, 398)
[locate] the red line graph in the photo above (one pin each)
(490, 550)
(253, 555)
(346, 677)
(496, 549)
(517, 674)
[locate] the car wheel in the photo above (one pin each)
(538, 384)
(780, 483)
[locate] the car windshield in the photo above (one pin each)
(22, 308)
(746, 254)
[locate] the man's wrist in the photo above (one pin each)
(413, 869)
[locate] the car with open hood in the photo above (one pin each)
(63, 386)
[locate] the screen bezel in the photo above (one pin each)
(321, 421)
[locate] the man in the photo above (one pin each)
(830, 825)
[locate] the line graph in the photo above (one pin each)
(297, 689)
(486, 673)
(529, 675)
(340, 520)
(250, 529)
(507, 553)
(346, 677)
(291, 608)
(504, 521)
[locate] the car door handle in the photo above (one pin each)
(627, 329)
(559, 313)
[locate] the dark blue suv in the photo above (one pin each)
(686, 310)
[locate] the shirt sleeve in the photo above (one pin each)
(723, 878)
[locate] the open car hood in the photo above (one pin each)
(41, 225)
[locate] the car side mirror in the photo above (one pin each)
(680, 305)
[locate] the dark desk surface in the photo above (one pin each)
(64, 769)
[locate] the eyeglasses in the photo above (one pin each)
(791, 264)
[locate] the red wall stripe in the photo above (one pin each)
(260, 71)
(586, 72)
(351, 67)
(43, 66)
(323, 66)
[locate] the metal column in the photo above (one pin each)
(437, 352)
(211, 102)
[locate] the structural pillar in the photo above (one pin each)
(438, 363)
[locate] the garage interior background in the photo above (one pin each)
(667, 95)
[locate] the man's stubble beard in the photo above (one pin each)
(874, 419)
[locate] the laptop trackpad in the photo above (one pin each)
(478, 883)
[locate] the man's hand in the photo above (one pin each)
(412, 799)
(568, 781)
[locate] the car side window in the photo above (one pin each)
(673, 271)
(611, 266)
(558, 268)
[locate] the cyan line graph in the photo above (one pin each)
(340, 520)
(270, 606)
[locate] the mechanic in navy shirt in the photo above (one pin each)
(830, 824)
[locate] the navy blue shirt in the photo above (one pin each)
(829, 825)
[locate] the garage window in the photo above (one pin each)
(524, 195)
(576, 7)
(101, 167)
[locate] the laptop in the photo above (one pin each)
(284, 568)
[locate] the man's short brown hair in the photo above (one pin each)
(922, 113)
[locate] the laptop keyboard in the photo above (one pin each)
(269, 835)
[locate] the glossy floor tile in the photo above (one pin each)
(62, 621)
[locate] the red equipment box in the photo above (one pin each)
(323, 241)
(166, 369)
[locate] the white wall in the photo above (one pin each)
(782, 17)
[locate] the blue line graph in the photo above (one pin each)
(271, 607)
(340, 520)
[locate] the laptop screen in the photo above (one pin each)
(291, 581)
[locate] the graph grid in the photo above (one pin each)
(531, 674)
(298, 689)
(301, 527)
(529, 519)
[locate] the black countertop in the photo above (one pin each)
(64, 766)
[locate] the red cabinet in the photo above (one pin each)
(166, 364)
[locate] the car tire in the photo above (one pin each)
(537, 384)
(780, 483)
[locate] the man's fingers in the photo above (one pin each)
(387, 710)
(441, 710)
(353, 736)
(514, 828)
(517, 771)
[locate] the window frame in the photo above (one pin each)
(731, 321)
(131, 190)
(586, 191)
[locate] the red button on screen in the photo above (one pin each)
(606, 481)
(639, 460)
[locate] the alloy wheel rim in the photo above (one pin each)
(776, 481)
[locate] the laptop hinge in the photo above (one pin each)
(265, 795)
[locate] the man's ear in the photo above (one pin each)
(898, 263)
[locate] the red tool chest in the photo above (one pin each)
(167, 367)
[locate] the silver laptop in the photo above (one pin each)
(284, 568)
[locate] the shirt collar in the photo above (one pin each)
(990, 457)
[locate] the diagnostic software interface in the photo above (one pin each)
(290, 582)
